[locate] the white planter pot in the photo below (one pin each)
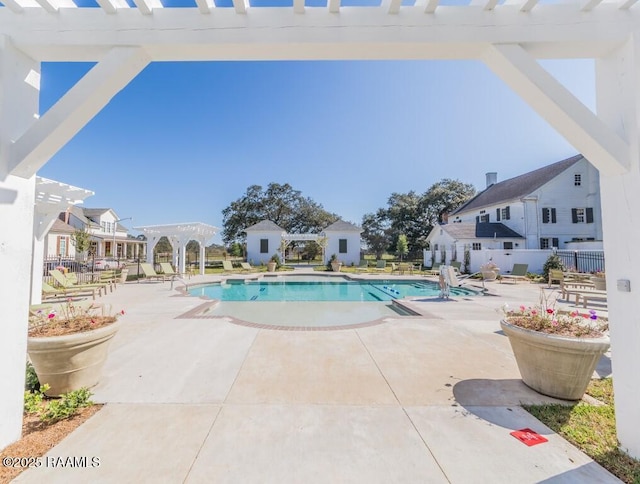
(70, 362)
(557, 366)
(336, 266)
(271, 266)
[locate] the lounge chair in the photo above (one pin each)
(168, 270)
(457, 266)
(434, 270)
(65, 283)
(381, 265)
(150, 273)
(50, 292)
(394, 268)
(246, 267)
(227, 266)
(72, 277)
(518, 273)
(363, 266)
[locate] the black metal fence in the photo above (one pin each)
(582, 260)
(66, 263)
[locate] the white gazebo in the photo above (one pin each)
(51, 198)
(179, 236)
(508, 38)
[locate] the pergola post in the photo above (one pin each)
(618, 104)
(19, 90)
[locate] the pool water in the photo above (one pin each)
(340, 290)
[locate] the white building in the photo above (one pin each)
(57, 242)
(549, 207)
(264, 239)
(343, 240)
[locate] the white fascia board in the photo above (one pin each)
(77, 107)
(112, 6)
(551, 31)
(146, 7)
(559, 107)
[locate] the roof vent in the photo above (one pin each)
(492, 178)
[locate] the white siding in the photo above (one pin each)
(254, 256)
(353, 247)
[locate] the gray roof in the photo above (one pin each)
(484, 230)
(264, 226)
(518, 187)
(94, 212)
(60, 227)
(342, 226)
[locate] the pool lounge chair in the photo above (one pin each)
(151, 275)
(227, 266)
(363, 266)
(72, 277)
(246, 267)
(381, 265)
(65, 283)
(434, 270)
(50, 292)
(518, 273)
(457, 266)
(168, 270)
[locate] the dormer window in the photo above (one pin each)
(577, 180)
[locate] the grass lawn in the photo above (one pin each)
(592, 428)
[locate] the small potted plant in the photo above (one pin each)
(556, 352)
(68, 346)
(334, 263)
(273, 263)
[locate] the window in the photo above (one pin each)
(342, 246)
(484, 218)
(548, 243)
(548, 215)
(582, 215)
(264, 246)
(476, 246)
(577, 179)
(104, 226)
(62, 246)
(107, 227)
(435, 246)
(506, 213)
(507, 245)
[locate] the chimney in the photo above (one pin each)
(492, 178)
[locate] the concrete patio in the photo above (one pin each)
(416, 399)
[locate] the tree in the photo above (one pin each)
(402, 248)
(278, 203)
(444, 197)
(375, 232)
(82, 241)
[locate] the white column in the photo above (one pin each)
(19, 90)
(618, 104)
(151, 243)
(202, 257)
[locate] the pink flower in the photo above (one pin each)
(522, 308)
(534, 312)
(122, 311)
(52, 315)
(549, 311)
(554, 322)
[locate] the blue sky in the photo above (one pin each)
(183, 140)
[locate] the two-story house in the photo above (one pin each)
(553, 206)
(108, 236)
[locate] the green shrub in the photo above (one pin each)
(52, 410)
(553, 262)
(31, 382)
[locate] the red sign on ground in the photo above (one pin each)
(529, 437)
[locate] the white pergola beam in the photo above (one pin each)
(52, 6)
(176, 34)
(72, 112)
(333, 6)
(298, 6)
(241, 6)
(588, 5)
(528, 5)
(627, 4)
(112, 6)
(147, 6)
(205, 6)
(391, 6)
(559, 107)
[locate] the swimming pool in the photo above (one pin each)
(319, 290)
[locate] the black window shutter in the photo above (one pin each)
(541, 243)
(508, 214)
(589, 215)
(545, 215)
(553, 215)
(477, 219)
(555, 242)
(574, 215)
(498, 214)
